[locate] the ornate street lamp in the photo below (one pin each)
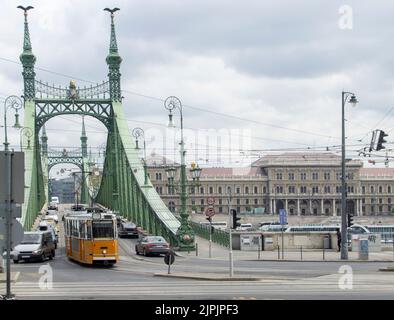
(139, 133)
(353, 101)
(15, 103)
(28, 133)
(185, 232)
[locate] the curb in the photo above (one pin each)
(388, 269)
(206, 278)
(347, 261)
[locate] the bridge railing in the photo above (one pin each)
(220, 237)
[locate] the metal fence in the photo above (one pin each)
(218, 236)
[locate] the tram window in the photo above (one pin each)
(82, 232)
(89, 230)
(103, 229)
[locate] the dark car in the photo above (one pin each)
(35, 246)
(127, 229)
(152, 245)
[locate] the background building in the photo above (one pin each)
(301, 183)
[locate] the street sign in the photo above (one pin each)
(16, 210)
(210, 212)
(16, 233)
(211, 201)
(17, 176)
(169, 258)
(283, 216)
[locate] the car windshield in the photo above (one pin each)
(30, 238)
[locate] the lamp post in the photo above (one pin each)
(15, 103)
(351, 98)
(185, 233)
(140, 133)
(28, 133)
(230, 253)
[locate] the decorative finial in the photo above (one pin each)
(25, 9)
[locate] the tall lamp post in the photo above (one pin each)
(350, 98)
(140, 133)
(15, 103)
(185, 233)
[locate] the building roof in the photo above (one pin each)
(228, 172)
(156, 160)
(377, 172)
(301, 159)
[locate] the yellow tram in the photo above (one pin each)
(91, 237)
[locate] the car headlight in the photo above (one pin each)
(36, 251)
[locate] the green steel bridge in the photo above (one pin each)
(123, 188)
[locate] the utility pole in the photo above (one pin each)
(231, 262)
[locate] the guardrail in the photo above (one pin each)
(218, 236)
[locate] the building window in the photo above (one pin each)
(256, 190)
(202, 190)
(363, 189)
(338, 175)
(291, 176)
(238, 201)
(389, 189)
(256, 201)
(380, 208)
(220, 209)
(350, 176)
(372, 200)
(303, 175)
(158, 176)
(363, 200)
(220, 201)
(380, 189)
(303, 189)
(264, 190)
(202, 202)
(220, 190)
(171, 206)
(246, 190)
(246, 201)
(372, 189)
(210, 190)
(315, 176)
(380, 200)
(291, 189)
(327, 189)
(279, 176)
(389, 200)
(279, 189)
(238, 190)
(315, 189)
(326, 176)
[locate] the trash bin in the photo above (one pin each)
(363, 250)
(327, 242)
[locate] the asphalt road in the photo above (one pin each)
(133, 278)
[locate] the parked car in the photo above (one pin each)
(55, 200)
(245, 227)
(53, 216)
(127, 229)
(152, 245)
(44, 226)
(36, 245)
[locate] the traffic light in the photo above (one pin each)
(349, 220)
(235, 219)
(381, 140)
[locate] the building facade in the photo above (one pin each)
(301, 183)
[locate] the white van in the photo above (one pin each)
(55, 200)
(44, 226)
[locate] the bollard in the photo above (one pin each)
(258, 252)
(196, 249)
(278, 252)
(324, 253)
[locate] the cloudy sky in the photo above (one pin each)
(253, 76)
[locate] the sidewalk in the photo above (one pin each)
(222, 253)
(14, 277)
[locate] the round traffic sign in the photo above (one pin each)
(210, 201)
(169, 258)
(209, 212)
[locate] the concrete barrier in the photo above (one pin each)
(291, 240)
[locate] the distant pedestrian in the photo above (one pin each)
(339, 239)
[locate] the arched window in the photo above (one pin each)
(171, 206)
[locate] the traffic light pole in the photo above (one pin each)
(230, 254)
(210, 237)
